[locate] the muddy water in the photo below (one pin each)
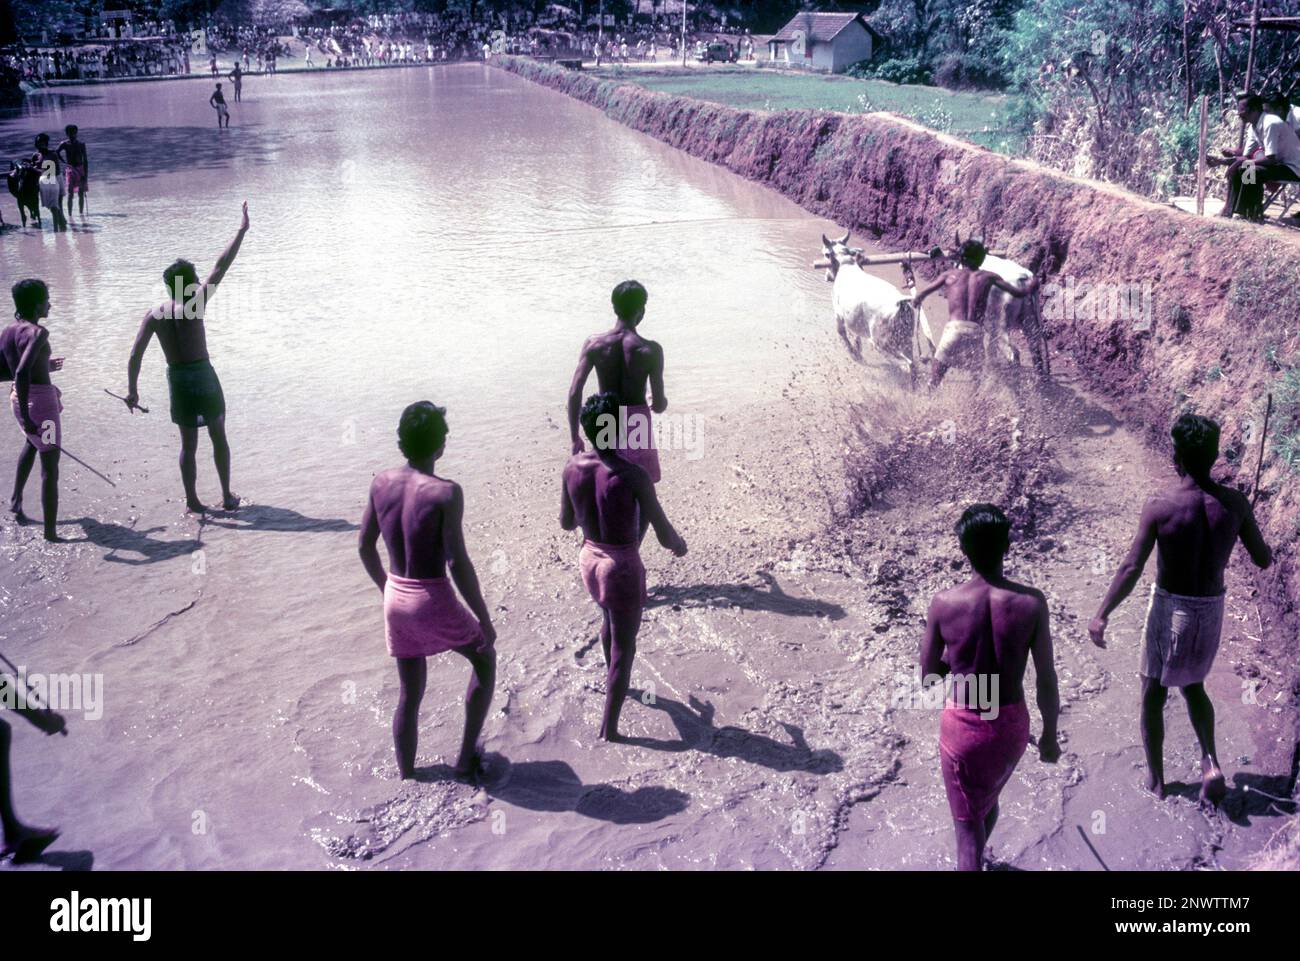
(451, 234)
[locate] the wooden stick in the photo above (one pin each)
(1259, 465)
(67, 453)
(1200, 156)
(139, 407)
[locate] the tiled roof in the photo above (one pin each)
(818, 27)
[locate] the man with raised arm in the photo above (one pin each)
(979, 636)
(1193, 524)
(625, 362)
(420, 516)
(967, 289)
(196, 396)
(611, 499)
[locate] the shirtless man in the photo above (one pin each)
(21, 842)
(1194, 523)
(624, 361)
(218, 102)
(196, 396)
(76, 167)
(419, 515)
(612, 499)
(236, 77)
(35, 401)
(967, 289)
(983, 632)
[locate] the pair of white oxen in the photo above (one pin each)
(870, 306)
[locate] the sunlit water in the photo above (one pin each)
(445, 233)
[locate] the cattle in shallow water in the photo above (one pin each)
(24, 185)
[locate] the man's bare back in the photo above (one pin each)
(606, 499)
(412, 509)
(967, 292)
(988, 630)
(180, 331)
(1195, 529)
(625, 362)
(22, 337)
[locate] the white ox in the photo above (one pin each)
(867, 305)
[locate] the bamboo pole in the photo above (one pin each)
(1250, 67)
(1200, 156)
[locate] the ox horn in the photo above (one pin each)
(826, 242)
(845, 238)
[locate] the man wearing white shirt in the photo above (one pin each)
(1280, 162)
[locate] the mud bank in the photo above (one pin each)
(1219, 320)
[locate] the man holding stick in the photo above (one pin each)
(196, 396)
(1194, 523)
(36, 402)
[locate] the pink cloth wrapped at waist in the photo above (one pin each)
(978, 756)
(613, 574)
(44, 405)
(423, 617)
(636, 439)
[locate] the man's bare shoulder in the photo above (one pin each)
(1023, 596)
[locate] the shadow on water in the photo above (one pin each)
(750, 598)
(264, 517)
(130, 153)
(117, 537)
(695, 727)
(553, 787)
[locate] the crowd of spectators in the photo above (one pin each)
(157, 48)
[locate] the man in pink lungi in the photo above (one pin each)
(1193, 524)
(979, 635)
(419, 515)
(624, 361)
(36, 402)
(612, 499)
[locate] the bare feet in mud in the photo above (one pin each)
(195, 506)
(1156, 786)
(27, 843)
(471, 771)
(230, 502)
(1213, 786)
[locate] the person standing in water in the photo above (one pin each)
(76, 167)
(625, 362)
(236, 78)
(612, 498)
(420, 516)
(218, 103)
(1193, 524)
(196, 396)
(37, 404)
(979, 636)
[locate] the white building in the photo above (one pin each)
(831, 42)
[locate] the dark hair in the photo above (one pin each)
(70, 130)
(597, 407)
(985, 535)
(1254, 102)
(1196, 444)
(28, 295)
(1278, 99)
(422, 430)
(186, 272)
(628, 299)
(972, 253)
(42, 138)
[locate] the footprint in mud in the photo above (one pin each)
(431, 804)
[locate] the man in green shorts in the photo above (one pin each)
(196, 397)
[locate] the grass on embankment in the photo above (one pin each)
(980, 118)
